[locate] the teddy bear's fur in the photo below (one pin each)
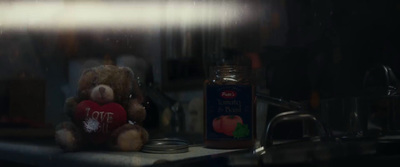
(115, 84)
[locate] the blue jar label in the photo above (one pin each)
(229, 112)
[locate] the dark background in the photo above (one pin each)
(323, 48)
(330, 45)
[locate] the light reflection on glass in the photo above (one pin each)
(50, 15)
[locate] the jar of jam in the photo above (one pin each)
(229, 104)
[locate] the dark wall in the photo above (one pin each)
(330, 45)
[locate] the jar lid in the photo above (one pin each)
(166, 146)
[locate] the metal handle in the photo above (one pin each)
(391, 81)
(288, 104)
(267, 140)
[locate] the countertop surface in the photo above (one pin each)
(303, 152)
(41, 153)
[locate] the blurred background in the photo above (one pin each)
(302, 50)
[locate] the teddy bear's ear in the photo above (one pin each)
(137, 94)
(87, 75)
(86, 81)
(128, 73)
(87, 71)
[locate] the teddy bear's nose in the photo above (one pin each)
(102, 90)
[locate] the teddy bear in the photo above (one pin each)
(105, 113)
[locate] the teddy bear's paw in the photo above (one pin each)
(66, 139)
(130, 140)
(136, 111)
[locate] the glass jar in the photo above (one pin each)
(229, 104)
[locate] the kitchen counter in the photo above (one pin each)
(293, 153)
(41, 153)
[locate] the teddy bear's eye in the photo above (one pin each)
(94, 82)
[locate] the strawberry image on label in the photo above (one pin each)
(226, 124)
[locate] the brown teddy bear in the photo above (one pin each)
(107, 112)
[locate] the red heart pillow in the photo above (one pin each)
(99, 121)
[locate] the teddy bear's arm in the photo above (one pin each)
(136, 112)
(70, 106)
